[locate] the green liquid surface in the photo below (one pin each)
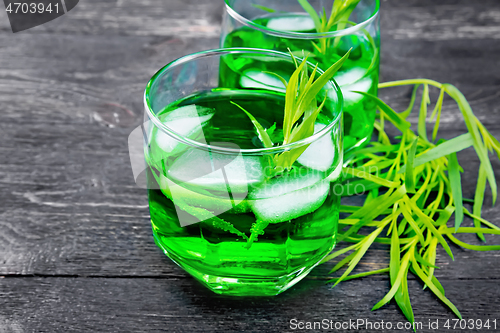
(303, 209)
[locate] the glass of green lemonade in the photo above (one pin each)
(216, 209)
(285, 25)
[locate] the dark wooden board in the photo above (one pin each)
(182, 305)
(76, 248)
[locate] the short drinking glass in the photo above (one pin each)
(215, 209)
(285, 25)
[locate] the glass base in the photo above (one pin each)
(239, 286)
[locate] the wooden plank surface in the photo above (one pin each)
(76, 251)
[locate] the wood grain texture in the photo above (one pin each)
(76, 248)
(182, 305)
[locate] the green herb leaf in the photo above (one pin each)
(367, 242)
(454, 145)
(343, 262)
(478, 199)
(473, 247)
(471, 124)
(407, 112)
(456, 189)
(410, 177)
(339, 253)
(434, 289)
(415, 227)
(209, 218)
(402, 296)
(264, 8)
(429, 224)
(361, 275)
(373, 209)
(263, 135)
(316, 87)
(403, 271)
(395, 118)
(365, 175)
(437, 111)
(312, 12)
(431, 256)
(483, 221)
(422, 130)
(279, 77)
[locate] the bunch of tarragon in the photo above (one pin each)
(336, 21)
(413, 187)
(300, 113)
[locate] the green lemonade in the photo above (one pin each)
(359, 73)
(300, 206)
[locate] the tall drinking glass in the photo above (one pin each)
(285, 25)
(216, 210)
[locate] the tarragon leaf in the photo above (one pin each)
(322, 80)
(365, 175)
(264, 136)
(479, 197)
(403, 271)
(360, 275)
(422, 129)
(429, 224)
(339, 253)
(407, 112)
(473, 247)
(367, 242)
(456, 188)
(209, 218)
(469, 119)
(410, 177)
(395, 118)
(433, 287)
(402, 296)
(454, 145)
(264, 8)
(312, 12)
(437, 113)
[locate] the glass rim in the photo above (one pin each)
(218, 149)
(303, 35)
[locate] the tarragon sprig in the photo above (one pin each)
(300, 112)
(339, 17)
(421, 192)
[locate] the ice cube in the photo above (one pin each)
(256, 79)
(349, 76)
(350, 81)
(216, 182)
(321, 153)
(290, 196)
(217, 172)
(299, 23)
(187, 121)
(215, 204)
(350, 97)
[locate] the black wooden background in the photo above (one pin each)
(76, 251)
